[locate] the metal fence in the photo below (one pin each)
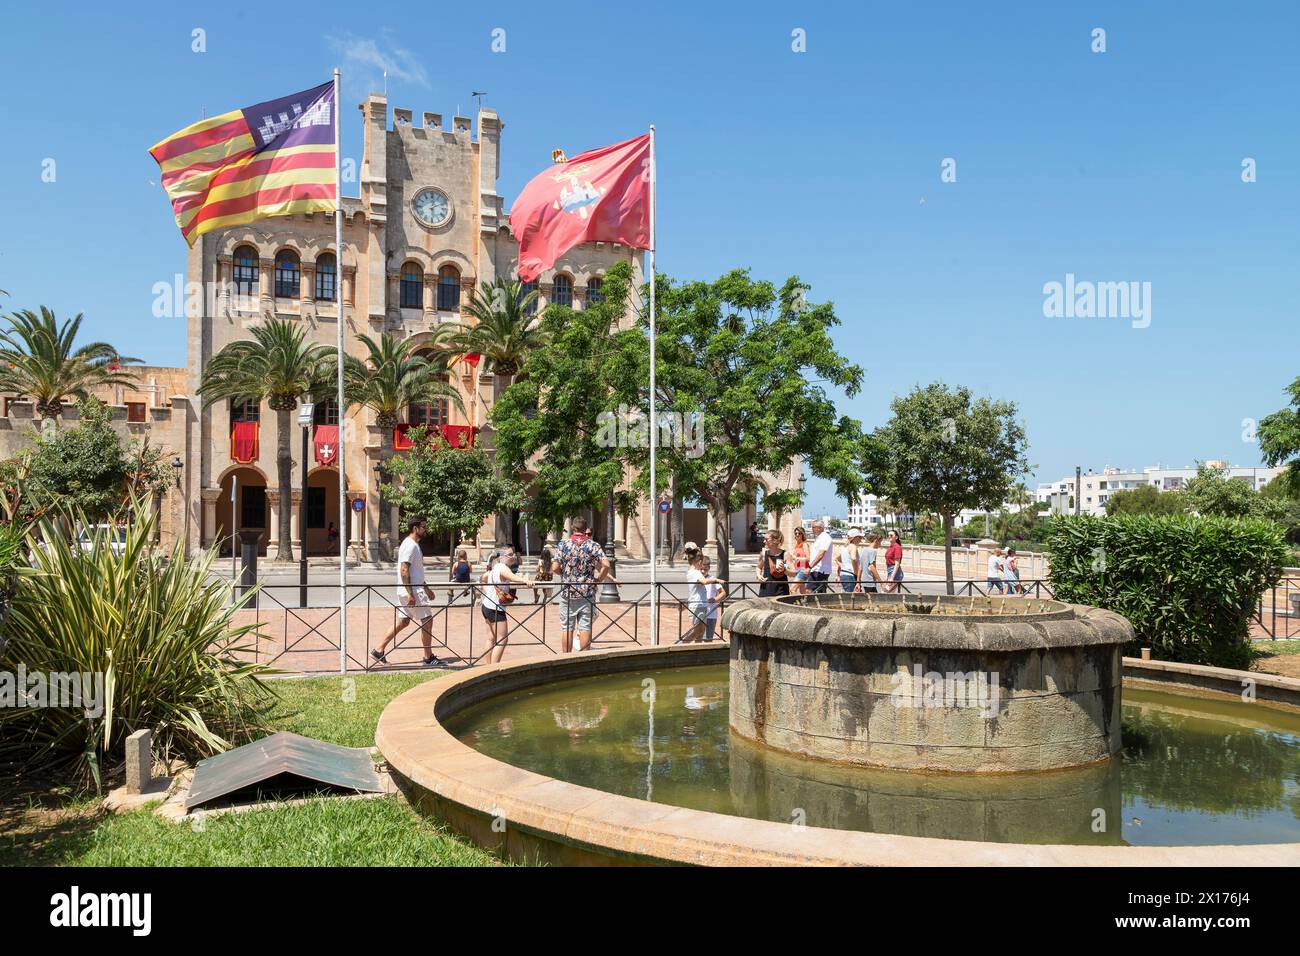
(1278, 614)
(294, 637)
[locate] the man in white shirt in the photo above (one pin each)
(995, 571)
(821, 557)
(413, 595)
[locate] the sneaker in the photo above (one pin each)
(377, 655)
(431, 662)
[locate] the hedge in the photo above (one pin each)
(1188, 584)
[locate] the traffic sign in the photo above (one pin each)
(358, 505)
(665, 506)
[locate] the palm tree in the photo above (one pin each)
(503, 332)
(38, 360)
(277, 366)
(391, 377)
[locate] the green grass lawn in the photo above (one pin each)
(61, 829)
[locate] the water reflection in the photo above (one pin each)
(1192, 770)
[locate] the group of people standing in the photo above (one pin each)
(578, 560)
(813, 566)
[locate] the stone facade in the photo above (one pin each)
(401, 274)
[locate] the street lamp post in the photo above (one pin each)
(178, 466)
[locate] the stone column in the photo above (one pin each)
(265, 276)
(296, 530)
(430, 297)
(273, 521)
(306, 284)
(350, 285)
(225, 272)
(208, 530)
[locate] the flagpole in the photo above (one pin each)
(654, 418)
(342, 454)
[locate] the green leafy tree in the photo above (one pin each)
(281, 367)
(453, 489)
(1279, 439)
(741, 367)
(1212, 492)
(549, 421)
(82, 468)
(390, 378)
(1145, 500)
(943, 451)
(39, 359)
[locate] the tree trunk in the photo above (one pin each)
(947, 550)
(722, 528)
(284, 473)
(503, 529)
(385, 516)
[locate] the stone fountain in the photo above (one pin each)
(919, 682)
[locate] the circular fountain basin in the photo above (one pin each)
(925, 683)
(573, 760)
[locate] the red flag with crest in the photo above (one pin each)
(602, 195)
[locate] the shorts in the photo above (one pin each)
(801, 575)
(819, 580)
(577, 612)
(848, 582)
(417, 611)
(894, 573)
(494, 614)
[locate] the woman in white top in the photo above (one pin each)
(496, 595)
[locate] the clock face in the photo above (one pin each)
(432, 207)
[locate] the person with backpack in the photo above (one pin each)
(497, 595)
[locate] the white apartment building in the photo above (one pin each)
(1099, 486)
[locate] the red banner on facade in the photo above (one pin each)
(327, 444)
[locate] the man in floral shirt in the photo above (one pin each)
(581, 565)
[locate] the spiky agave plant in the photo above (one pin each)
(157, 631)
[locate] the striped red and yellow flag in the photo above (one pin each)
(273, 159)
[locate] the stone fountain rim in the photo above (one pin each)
(421, 751)
(1074, 625)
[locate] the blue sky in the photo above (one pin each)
(1115, 166)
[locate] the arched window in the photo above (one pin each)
(245, 270)
(563, 291)
(412, 287)
(524, 290)
(325, 412)
(594, 294)
(448, 289)
(326, 277)
(288, 277)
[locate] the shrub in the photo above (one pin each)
(1187, 584)
(154, 626)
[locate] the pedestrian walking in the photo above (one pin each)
(847, 567)
(413, 595)
(893, 563)
(497, 596)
